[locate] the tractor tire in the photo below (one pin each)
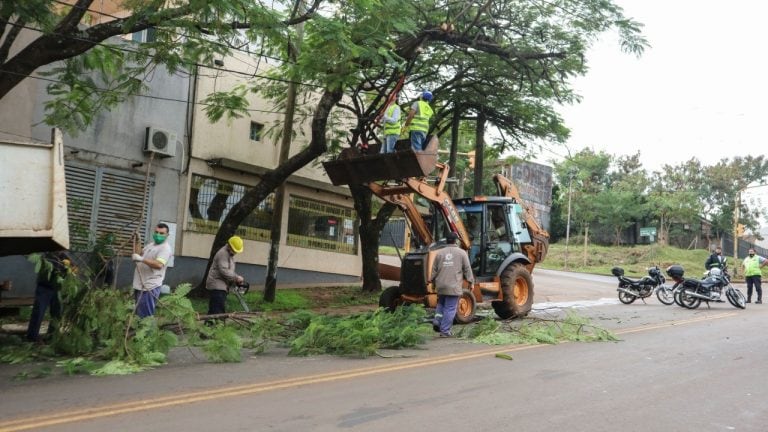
(517, 293)
(390, 298)
(465, 310)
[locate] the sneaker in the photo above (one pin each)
(446, 335)
(436, 328)
(759, 302)
(749, 301)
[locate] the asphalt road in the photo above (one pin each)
(672, 370)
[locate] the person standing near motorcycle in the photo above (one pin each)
(716, 260)
(753, 275)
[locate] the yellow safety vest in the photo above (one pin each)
(420, 121)
(752, 266)
(392, 128)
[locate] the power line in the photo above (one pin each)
(102, 90)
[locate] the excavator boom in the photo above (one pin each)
(537, 249)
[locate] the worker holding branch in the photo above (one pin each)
(150, 271)
(417, 122)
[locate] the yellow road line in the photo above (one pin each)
(205, 395)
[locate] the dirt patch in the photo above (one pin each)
(340, 299)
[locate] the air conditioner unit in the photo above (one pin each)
(161, 142)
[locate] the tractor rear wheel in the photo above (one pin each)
(517, 292)
(465, 310)
(390, 298)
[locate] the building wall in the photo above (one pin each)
(115, 142)
(230, 139)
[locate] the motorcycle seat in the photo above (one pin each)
(645, 281)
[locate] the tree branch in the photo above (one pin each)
(10, 37)
(73, 18)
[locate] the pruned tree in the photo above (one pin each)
(510, 60)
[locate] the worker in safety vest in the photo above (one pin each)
(418, 121)
(753, 275)
(392, 127)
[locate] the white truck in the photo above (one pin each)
(33, 197)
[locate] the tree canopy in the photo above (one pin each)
(505, 62)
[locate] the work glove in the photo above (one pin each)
(136, 257)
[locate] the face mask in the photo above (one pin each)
(751, 255)
(158, 238)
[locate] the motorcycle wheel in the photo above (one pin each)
(736, 298)
(665, 295)
(688, 301)
(626, 298)
(676, 294)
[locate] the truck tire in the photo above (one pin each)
(465, 310)
(517, 292)
(390, 298)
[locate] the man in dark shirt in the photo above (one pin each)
(53, 269)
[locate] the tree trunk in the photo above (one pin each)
(370, 233)
(586, 242)
(663, 232)
(479, 156)
(272, 179)
(453, 188)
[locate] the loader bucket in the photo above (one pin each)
(352, 167)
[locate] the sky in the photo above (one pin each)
(698, 91)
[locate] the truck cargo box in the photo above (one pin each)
(33, 194)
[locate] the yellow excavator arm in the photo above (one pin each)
(537, 249)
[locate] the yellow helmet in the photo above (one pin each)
(236, 243)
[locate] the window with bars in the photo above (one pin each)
(318, 225)
(210, 200)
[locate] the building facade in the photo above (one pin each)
(157, 158)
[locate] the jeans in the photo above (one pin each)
(389, 143)
(417, 140)
(754, 280)
(44, 296)
(146, 301)
(445, 312)
(217, 302)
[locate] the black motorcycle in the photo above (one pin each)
(690, 293)
(630, 290)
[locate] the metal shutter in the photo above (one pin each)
(119, 207)
(102, 201)
(81, 194)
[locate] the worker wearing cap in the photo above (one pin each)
(449, 269)
(150, 271)
(417, 122)
(222, 275)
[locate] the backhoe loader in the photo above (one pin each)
(499, 233)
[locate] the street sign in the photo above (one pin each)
(648, 232)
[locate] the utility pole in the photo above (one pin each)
(568, 220)
(736, 231)
(270, 285)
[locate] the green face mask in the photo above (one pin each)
(158, 238)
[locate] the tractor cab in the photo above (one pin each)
(496, 230)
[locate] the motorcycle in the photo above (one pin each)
(690, 293)
(630, 290)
